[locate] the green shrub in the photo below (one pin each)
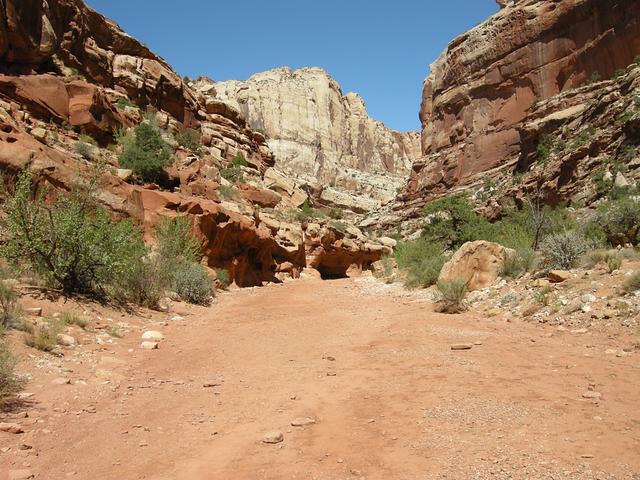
(232, 174)
(222, 275)
(147, 155)
(123, 103)
(614, 262)
(451, 295)
(335, 214)
(71, 242)
(452, 221)
(10, 383)
(189, 138)
(544, 149)
(8, 304)
(518, 263)
(595, 77)
(227, 192)
(146, 282)
(563, 250)
(239, 160)
(422, 261)
(620, 220)
(632, 284)
(620, 72)
(594, 257)
(192, 282)
(176, 241)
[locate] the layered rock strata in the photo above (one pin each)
(320, 137)
(488, 83)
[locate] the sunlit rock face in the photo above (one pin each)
(322, 137)
(485, 85)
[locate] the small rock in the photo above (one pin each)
(149, 345)
(61, 381)
(124, 173)
(591, 395)
(177, 318)
(588, 298)
(152, 335)
(36, 311)
(302, 422)
(273, 437)
(540, 283)
(11, 428)
(580, 330)
(20, 474)
(461, 346)
(39, 134)
(558, 276)
(586, 455)
(66, 340)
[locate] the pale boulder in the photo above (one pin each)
(477, 263)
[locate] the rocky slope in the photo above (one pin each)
(484, 91)
(67, 71)
(320, 137)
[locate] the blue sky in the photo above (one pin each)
(379, 48)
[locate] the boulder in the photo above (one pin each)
(477, 263)
(558, 276)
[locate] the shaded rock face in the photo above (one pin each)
(320, 136)
(482, 88)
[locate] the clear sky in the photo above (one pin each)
(380, 49)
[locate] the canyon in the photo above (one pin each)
(316, 357)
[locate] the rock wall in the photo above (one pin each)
(321, 137)
(66, 71)
(486, 84)
(71, 64)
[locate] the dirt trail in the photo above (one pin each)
(390, 398)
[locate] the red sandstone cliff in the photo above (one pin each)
(485, 85)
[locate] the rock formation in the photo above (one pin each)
(483, 89)
(66, 73)
(320, 137)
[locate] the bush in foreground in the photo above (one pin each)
(451, 295)
(563, 250)
(70, 242)
(192, 282)
(10, 383)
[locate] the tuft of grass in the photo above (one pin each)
(632, 284)
(543, 295)
(8, 303)
(614, 262)
(114, 332)
(44, 337)
(451, 295)
(227, 192)
(10, 383)
(518, 263)
(74, 318)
